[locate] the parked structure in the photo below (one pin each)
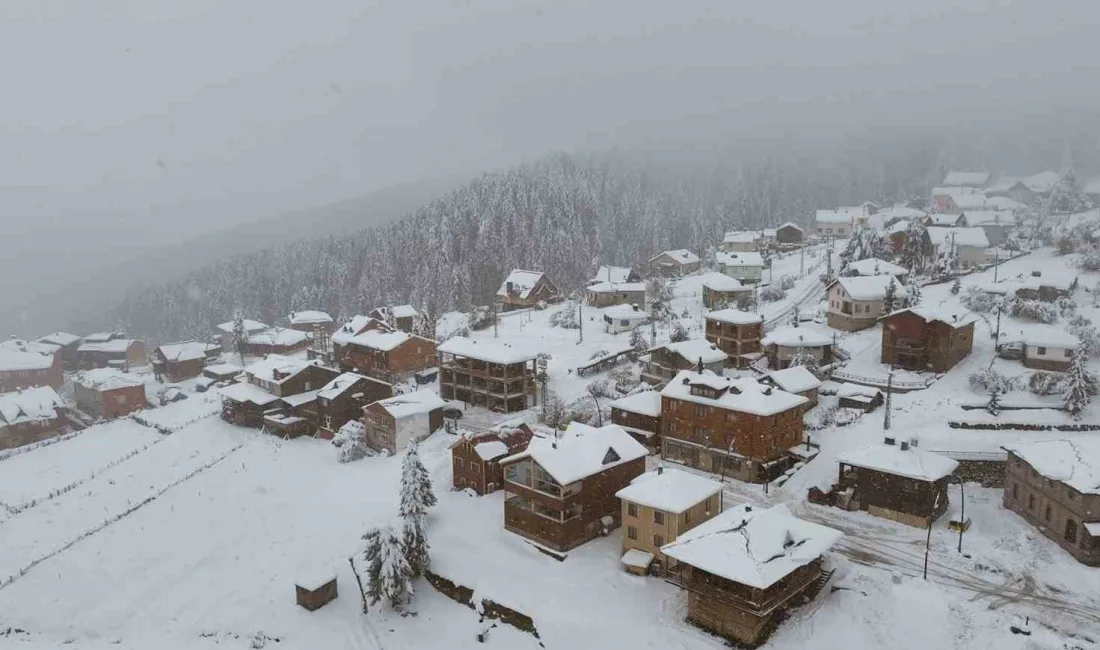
(389, 356)
(926, 338)
(475, 457)
(623, 318)
(183, 360)
(797, 380)
(401, 317)
(487, 373)
(721, 291)
(674, 263)
(896, 481)
(855, 303)
(662, 363)
(640, 416)
(28, 416)
(1055, 486)
(733, 427)
(309, 320)
(745, 566)
(524, 289)
(783, 343)
(657, 508)
(395, 422)
(746, 268)
(67, 345)
(344, 398)
(561, 489)
(26, 364)
(789, 235)
(737, 333)
(108, 393)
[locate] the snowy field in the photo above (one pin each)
(195, 539)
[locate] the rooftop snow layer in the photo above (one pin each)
(647, 403)
(798, 337)
(795, 379)
(1074, 462)
(734, 317)
(722, 282)
(581, 451)
(415, 403)
(249, 326)
(30, 405)
(522, 283)
(308, 317)
(873, 266)
(694, 349)
(892, 459)
(742, 395)
(101, 379)
(486, 350)
(671, 490)
(752, 546)
(868, 287)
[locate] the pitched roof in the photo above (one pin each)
(581, 451)
(739, 259)
(249, 326)
(681, 255)
(734, 317)
(892, 459)
(974, 237)
(308, 317)
(647, 402)
(795, 379)
(751, 546)
(29, 405)
(415, 403)
(522, 282)
(1074, 462)
(617, 274)
(671, 490)
(486, 350)
(278, 336)
(743, 395)
(102, 379)
(60, 338)
(185, 350)
(694, 349)
(875, 266)
(969, 179)
(722, 282)
(867, 287)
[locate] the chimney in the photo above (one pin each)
(888, 440)
(905, 445)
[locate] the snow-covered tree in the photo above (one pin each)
(1080, 384)
(240, 334)
(416, 486)
(351, 441)
(890, 299)
(806, 359)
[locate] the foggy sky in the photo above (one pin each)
(125, 124)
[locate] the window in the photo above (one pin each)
(1071, 531)
(659, 517)
(1046, 513)
(631, 509)
(658, 541)
(1042, 350)
(631, 532)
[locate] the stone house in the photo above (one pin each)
(28, 416)
(662, 363)
(737, 333)
(658, 507)
(475, 457)
(855, 303)
(393, 423)
(640, 416)
(108, 393)
(926, 338)
(674, 263)
(525, 289)
(896, 481)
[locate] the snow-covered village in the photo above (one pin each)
(867, 426)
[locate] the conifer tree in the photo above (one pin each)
(1080, 383)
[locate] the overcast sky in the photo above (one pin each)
(126, 123)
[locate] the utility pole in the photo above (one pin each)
(889, 391)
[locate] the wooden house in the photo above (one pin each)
(721, 291)
(640, 416)
(26, 364)
(561, 489)
(738, 428)
(67, 345)
(855, 303)
(28, 416)
(789, 235)
(108, 393)
(1055, 486)
(525, 289)
(277, 340)
(658, 507)
(896, 481)
(389, 356)
(926, 338)
(393, 423)
(310, 320)
(662, 363)
(737, 333)
(475, 457)
(402, 317)
(746, 268)
(742, 568)
(116, 351)
(674, 263)
(487, 373)
(797, 380)
(183, 360)
(344, 398)
(783, 343)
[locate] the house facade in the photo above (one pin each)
(737, 428)
(26, 364)
(475, 457)
(343, 399)
(925, 338)
(640, 416)
(737, 333)
(896, 481)
(658, 507)
(108, 393)
(487, 373)
(662, 363)
(388, 356)
(525, 289)
(855, 303)
(1053, 486)
(561, 489)
(29, 416)
(674, 263)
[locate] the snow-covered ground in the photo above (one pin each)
(195, 539)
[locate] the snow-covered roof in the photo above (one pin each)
(795, 379)
(734, 317)
(581, 451)
(867, 287)
(415, 403)
(986, 217)
(671, 490)
(968, 179)
(742, 237)
(626, 312)
(278, 337)
(185, 350)
(114, 345)
(722, 282)
(1041, 182)
(875, 266)
(29, 405)
(681, 255)
(617, 274)
(833, 216)
(60, 338)
(17, 354)
(378, 340)
(802, 336)
(752, 546)
(743, 395)
(647, 403)
(964, 237)
(522, 283)
(790, 225)
(308, 317)
(956, 318)
(267, 367)
(245, 392)
(1048, 336)
(486, 350)
(694, 349)
(249, 326)
(892, 459)
(615, 287)
(490, 449)
(340, 384)
(102, 379)
(1074, 462)
(739, 259)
